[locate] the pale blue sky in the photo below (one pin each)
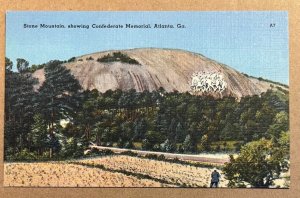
(242, 40)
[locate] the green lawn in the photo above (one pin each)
(223, 145)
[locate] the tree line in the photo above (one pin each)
(158, 120)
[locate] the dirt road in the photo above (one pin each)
(198, 158)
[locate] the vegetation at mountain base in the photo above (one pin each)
(60, 119)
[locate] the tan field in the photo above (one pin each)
(72, 174)
(112, 171)
(58, 174)
(177, 174)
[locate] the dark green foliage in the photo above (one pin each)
(259, 163)
(170, 122)
(283, 90)
(53, 144)
(97, 152)
(139, 128)
(118, 57)
(168, 146)
(23, 155)
(31, 117)
(55, 95)
(8, 64)
(73, 148)
(22, 65)
(33, 68)
(245, 74)
(19, 107)
(71, 59)
(186, 121)
(179, 133)
(152, 141)
(280, 124)
(188, 145)
(38, 135)
(129, 153)
(158, 120)
(90, 58)
(161, 157)
(129, 145)
(151, 156)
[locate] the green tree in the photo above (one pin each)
(280, 124)
(97, 132)
(152, 140)
(139, 128)
(73, 148)
(53, 144)
(126, 135)
(87, 113)
(180, 133)
(168, 146)
(204, 144)
(56, 93)
(188, 145)
(19, 107)
(258, 164)
(8, 64)
(38, 134)
(22, 65)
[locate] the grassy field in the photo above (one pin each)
(223, 145)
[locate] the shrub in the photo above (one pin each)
(130, 153)
(282, 90)
(33, 68)
(98, 152)
(151, 156)
(71, 59)
(161, 157)
(168, 146)
(238, 146)
(176, 160)
(129, 145)
(24, 155)
(118, 57)
(258, 164)
(89, 58)
(218, 148)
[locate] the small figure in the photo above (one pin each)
(215, 178)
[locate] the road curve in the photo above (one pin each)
(197, 158)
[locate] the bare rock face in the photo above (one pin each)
(167, 68)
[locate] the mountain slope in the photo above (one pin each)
(167, 68)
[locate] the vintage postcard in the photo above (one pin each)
(147, 99)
